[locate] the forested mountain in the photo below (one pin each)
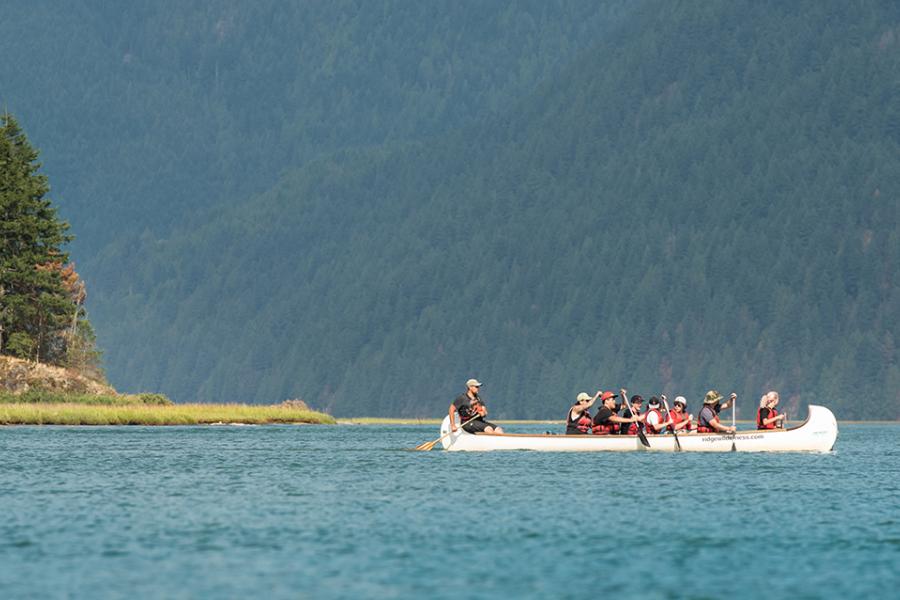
(705, 197)
(150, 115)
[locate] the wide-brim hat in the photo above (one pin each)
(712, 396)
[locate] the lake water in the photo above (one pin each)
(347, 512)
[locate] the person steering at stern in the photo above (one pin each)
(471, 409)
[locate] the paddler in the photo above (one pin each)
(606, 421)
(681, 421)
(471, 409)
(653, 420)
(708, 419)
(578, 421)
(767, 417)
(637, 402)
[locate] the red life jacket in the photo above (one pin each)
(582, 424)
(769, 414)
(678, 417)
(650, 428)
(604, 428)
(632, 428)
(701, 428)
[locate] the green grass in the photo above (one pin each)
(150, 414)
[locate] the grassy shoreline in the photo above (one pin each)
(150, 414)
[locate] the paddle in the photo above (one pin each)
(640, 431)
(674, 431)
(733, 399)
(429, 445)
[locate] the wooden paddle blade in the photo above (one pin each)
(426, 446)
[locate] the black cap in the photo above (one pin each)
(637, 398)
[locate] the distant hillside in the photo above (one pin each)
(707, 197)
(149, 117)
(705, 200)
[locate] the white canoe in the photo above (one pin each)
(816, 434)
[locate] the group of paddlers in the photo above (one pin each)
(627, 417)
(659, 418)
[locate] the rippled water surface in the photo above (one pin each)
(346, 511)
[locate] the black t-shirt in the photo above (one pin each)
(602, 416)
(624, 427)
(464, 407)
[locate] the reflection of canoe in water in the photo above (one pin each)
(816, 434)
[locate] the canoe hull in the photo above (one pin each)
(817, 434)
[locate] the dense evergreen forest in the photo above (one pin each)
(363, 204)
(42, 315)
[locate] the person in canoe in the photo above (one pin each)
(471, 409)
(681, 421)
(579, 420)
(767, 417)
(606, 421)
(708, 419)
(631, 427)
(653, 420)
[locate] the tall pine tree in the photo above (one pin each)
(41, 312)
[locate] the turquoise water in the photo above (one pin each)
(346, 512)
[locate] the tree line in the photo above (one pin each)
(42, 314)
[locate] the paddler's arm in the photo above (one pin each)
(452, 412)
(771, 420)
(719, 427)
(618, 419)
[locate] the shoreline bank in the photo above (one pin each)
(140, 414)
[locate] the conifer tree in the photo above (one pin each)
(39, 314)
